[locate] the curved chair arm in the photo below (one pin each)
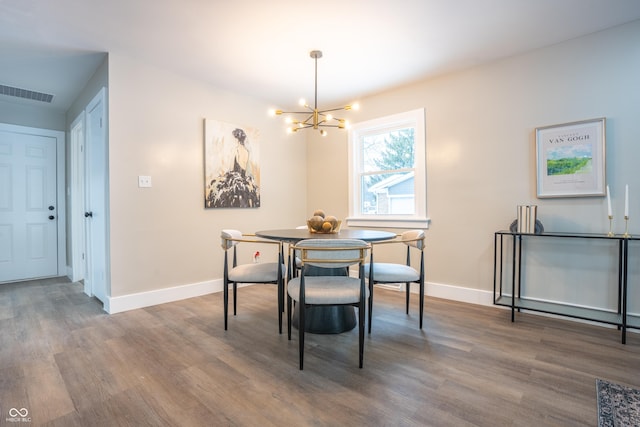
(410, 237)
(228, 242)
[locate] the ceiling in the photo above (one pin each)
(261, 48)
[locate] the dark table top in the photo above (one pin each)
(292, 235)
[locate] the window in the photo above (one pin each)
(387, 172)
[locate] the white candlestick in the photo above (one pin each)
(609, 202)
(626, 201)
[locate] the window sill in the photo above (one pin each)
(410, 223)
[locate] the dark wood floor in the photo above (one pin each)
(70, 364)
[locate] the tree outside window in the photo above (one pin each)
(387, 184)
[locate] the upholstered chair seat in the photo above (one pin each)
(250, 272)
(385, 272)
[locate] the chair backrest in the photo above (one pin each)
(413, 238)
(332, 253)
(226, 237)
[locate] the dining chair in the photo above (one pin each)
(383, 272)
(328, 290)
(251, 272)
(294, 257)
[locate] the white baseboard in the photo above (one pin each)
(454, 293)
(458, 293)
(161, 296)
(176, 293)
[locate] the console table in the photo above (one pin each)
(517, 301)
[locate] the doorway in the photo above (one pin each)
(77, 203)
(32, 203)
(89, 199)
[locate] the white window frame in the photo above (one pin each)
(416, 119)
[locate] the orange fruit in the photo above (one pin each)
(332, 219)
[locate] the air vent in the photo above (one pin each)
(25, 94)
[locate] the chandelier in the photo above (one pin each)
(313, 117)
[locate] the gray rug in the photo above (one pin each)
(618, 405)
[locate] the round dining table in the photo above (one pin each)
(294, 235)
(332, 319)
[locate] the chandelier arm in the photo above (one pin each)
(307, 119)
(331, 109)
(329, 126)
(294, 112)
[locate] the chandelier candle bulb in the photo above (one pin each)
(609, 212)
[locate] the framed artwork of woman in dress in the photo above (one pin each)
(231, 167)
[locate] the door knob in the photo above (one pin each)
(51, 208)
(88, 214)
(51, 217)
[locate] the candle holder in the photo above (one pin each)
(610, 234)
(626, 227)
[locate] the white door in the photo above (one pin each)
(76, 202)
(96, 213)
(28, 203)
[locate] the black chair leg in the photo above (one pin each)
(280, 305)
(421, 302)
(361, 316)
(225, 299)
(289, 313)
(235, 296)
(370, 304)
(408, 289)
(301, 321)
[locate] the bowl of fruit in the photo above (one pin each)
(322, 223)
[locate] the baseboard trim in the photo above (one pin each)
(457, 293)
(161, 296)
(176, 293)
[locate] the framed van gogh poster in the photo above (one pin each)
(231, 167)
(570, 159)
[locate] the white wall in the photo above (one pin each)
(481, 157)
(99, 80)
(162, 237)
(29, 113)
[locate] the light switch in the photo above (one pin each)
(144, 181)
